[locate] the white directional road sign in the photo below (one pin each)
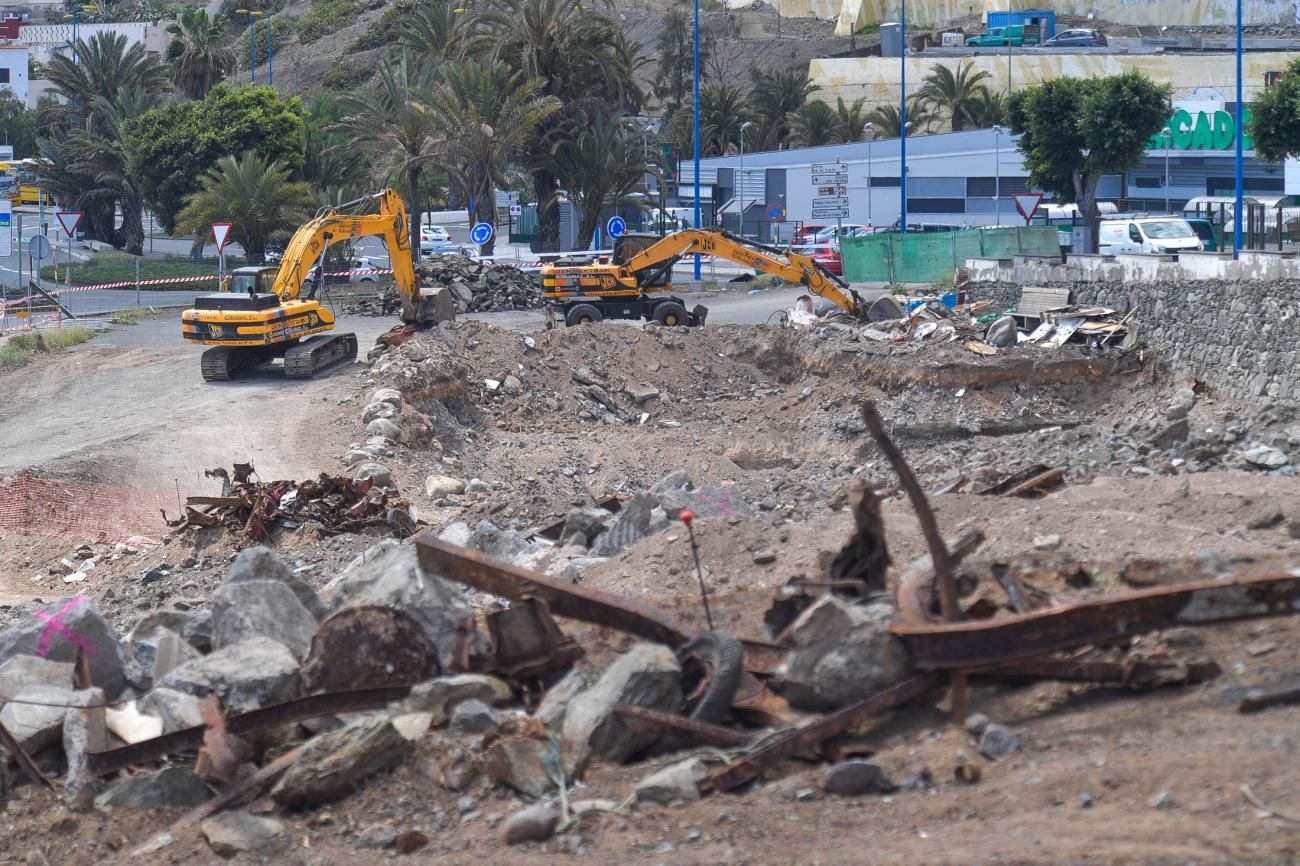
(830, 188)
(830, 174)
(830, 208)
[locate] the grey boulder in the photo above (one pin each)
(261, 608)
(259, 563)
(168, 788)
(55, 632)
(254, 673)
(231, 833)
(38, 724)
(647, 675)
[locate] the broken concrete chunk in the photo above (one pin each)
(230, 833)
(676, 782)
(388, 575)
(534, 823)
(631, 525)
(128, 724)
(377, 474)
(441, 486)
(474, 717)
(56, 631)
(22, 671)
(261, 608)
(550, 712)
(177, 710)
(856, 777)
(641, 393)
(587, 523)
(841, 653)
(254, 673)
(647, 675)
(378, 410)
(385, 428)
(440, 696)
(35, 726)
(387, 395)
(332, 765)
(520, 762)
(457, 533)
(259, 563)
(83, 732)
(169, 788)
(501, 543)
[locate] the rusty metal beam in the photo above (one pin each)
(763, 657)
(264, 719)
(653, 721)
(914, 590)
(796, 742)
(967, 645)
(19, 754)
(1133, 674)
(498, 577)
(1259, 699)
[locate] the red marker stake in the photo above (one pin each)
(688, 517)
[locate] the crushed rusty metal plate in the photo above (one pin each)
(526, 642)
(369, 647)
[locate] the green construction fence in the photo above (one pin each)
(927, 257)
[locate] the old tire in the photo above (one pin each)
(670, 314)
(582, 314)
(712, 665)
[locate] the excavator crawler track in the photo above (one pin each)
(223, 363)
(318, 354)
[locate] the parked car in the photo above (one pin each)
(1013, 35)
(448, 249)
(1147, 235)
(363, 263)
(830, 233)
(1076, 39)
(431, 235)
(805, 233)
(826, 255)
(1205, 231)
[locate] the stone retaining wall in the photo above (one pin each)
(1239, 337)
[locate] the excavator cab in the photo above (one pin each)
(629, 245)
(252, 281)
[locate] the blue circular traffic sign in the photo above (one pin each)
(481, 233)
(616, 227)
(775, 212)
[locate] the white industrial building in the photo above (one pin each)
(13, 71)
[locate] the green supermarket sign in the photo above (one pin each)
(1201, 130)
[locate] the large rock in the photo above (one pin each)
(39, 724)
(231, 833)
(159, 650)
(501, 543)
(841, 653)
(54, 633)
(534, 823)
(520, 762)
(334, 764)
(20, 672)
(259, 563)
(441, 486)
(587, 523)
(261, 608)
(388, 575)
(254, 673)
(721, 501)
(647, 675)
(439, 697)
(169, 788)
(631, 525)
(856, 777)
(177, 710)
(83, 732)
(679, 781)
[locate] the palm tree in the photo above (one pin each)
(485, 112)
(990, 110)
(584, 60)
(886, 121)
(602, 158)
(956, 93)
(106, 67)
(389, 122)
(850, 120)
(198, 52)
(107, 161)
(813, 125)
(254, 195)
(434, 30)
(776, 94)
(722, 113)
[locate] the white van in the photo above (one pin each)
(1147, 235)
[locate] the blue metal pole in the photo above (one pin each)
(1236, 211)
(270, 54)
(697, 131)
(902, 120)
(252, 50)
(76, 61)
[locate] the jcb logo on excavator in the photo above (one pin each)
(708, 245)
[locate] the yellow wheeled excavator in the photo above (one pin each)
(583, 290)
(269, 313)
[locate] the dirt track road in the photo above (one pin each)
(129, 408)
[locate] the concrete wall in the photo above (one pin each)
(877, 78)
(1232, 324)
(14, 62)
(45, 39)
(935, 13)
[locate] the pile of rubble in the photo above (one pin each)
(476, 287)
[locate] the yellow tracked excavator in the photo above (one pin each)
(268, 313)
(584, 290)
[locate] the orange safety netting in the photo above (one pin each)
(41, 506)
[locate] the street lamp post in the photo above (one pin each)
(997, 172)
(252, 43)
(902, 175)
(902, 118)
(270, 53)
(740, 187)
(1169, 140)
(697, 131)
(1236, 211)
(870, 131)
(75, 18)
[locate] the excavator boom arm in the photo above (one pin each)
(789, 266)
(332, 225)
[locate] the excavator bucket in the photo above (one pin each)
(696, 317)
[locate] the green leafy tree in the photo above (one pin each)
(254, 195)
(722, 112)
(106, 66)
(390, 121)
(435, 30)
(485, 112)
(990, 110)
(886, 119)
(674, 52)
(955, 94)
(584, 60)
(1074, 130)
(850, 120)
(813, 125)
(336, 172)
(175, 144)
(17, 126)
(777, 94)
(603, 161)
(1274, 125)
(199, 54)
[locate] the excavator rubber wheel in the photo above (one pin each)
(670, 314)
(582, 314)
(712, 665)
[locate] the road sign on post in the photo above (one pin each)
(830, 198)
(616, 227)
(6, 235)
(775, 213)
(221, 232)
(481, 233)
(69, 220)
(1027, 203)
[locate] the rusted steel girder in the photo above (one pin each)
(1133, 673)
(690, 730)
(796, 742)
(498, 577)
(968, 645)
